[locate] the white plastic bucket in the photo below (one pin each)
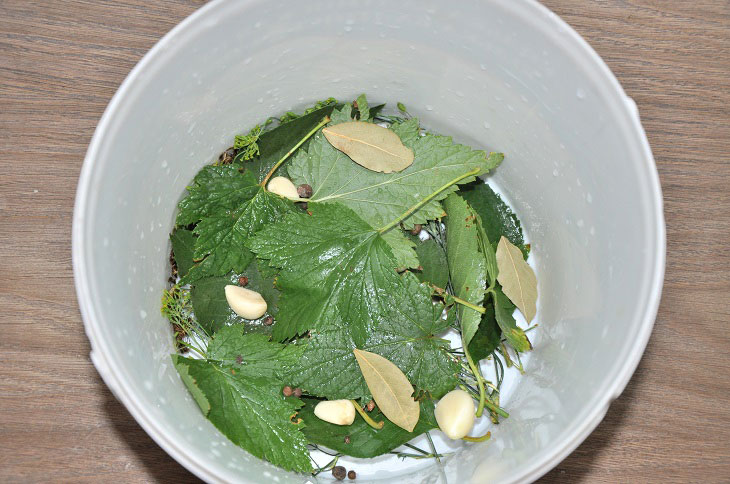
(502, 75)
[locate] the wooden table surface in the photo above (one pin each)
(60, 63)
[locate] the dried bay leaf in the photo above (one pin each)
(369, 145)
(518, 280)
(390, 388)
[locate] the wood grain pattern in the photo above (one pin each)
(60, 63)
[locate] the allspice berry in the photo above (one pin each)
(304, 190)
(268, 320)
(287, 391)
(371, 405)
(347, 439)
(243, 281)
(298, 392)
(416, 229)
(352, 475)
(339, 473)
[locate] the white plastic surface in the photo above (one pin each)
(501, 75)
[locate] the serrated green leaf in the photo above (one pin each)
(466, 265)
(362, 106)
(189, 382)
(380, 198)
(488, 335)
(365, 441)
(503, 309)
(221, 236)
(275, 143)
(404, 329)
(341, 115)
(211, 307)
(402, 248)
(183, 243)
(497, 217)
(215, 189)
(249, 410)
(259, 357)
(432, 258)
(333, 266)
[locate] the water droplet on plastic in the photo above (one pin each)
(555, 172)
(580, 223)
(589, 198)
(487, 125)
(580, 93)
(429, 107)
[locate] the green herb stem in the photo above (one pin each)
(476, 308)
(296, 147)
(477, 439)
(423, 202)
(477, 375)
(366, 417)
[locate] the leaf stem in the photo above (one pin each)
(294, 148)
(477, 375)
(436, 455)
(476, 308)
(477, 439)
(366, 417)
(423, 202)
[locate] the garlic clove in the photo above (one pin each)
(245, 302)
(455, 414)
(338, 412)
(284, 187)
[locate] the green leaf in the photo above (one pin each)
(365, 441)
(404, 329)
(487, 337)
(275, 143)
(433, 261)
(487, 249)
(342, 115)
(466, 265)
(362, 106)
(402, 107)
(221, 236)
(211, 307)
(497, 217)
(503, 309)
(249, 409)
(334, 266)
(380, 198)
(215, 189)
(402, 248)
(259, 357)
(183, 242)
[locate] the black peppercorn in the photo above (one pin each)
(304, 190)
(339, 473)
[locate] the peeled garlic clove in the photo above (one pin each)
(338, 412)
(455, 414)
(284, 187)
(245, 302)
